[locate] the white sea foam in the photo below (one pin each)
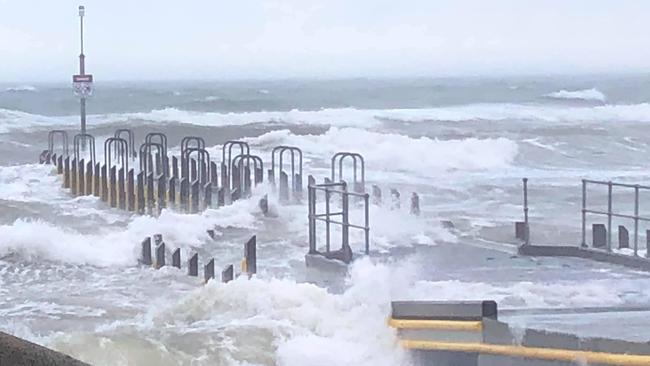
(348, 117)
(395, 152)
(592, 94)
(21, 88)
(114, 246)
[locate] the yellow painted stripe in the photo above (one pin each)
(471, 326)
(532, 352)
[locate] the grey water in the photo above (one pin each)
(68, 266)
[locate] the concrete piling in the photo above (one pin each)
(228, 274)
(193, 265)
(415, 204)
(175, 167)
(97, 181)
(207, 196)
(146, 252)
(211, 233)
(73, 176)
(112, 187)
(66, 172)
(139, 199)
(150, 194)
(599, 238)
(171, 192)
(81, 178)
(176, 258)
(130, 191)
(376, 195)
(194, 197)
(250, 256)
(121, 189)
(396, 203)
(221, 197)
(104, 183)
(89, 178)
(162, 193)
(208, 271)
(193, 173)
(184, 194)
(214, 174)
(59, 165)
(623, 237)
(160, 255)
(284, 187)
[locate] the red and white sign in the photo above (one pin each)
(82, 85)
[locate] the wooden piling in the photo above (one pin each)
(184, 194)
(174, 167)
(250, 256)
(73, 176)
(160, 256)
(171, 192)
(130, 191)
(149, 196)
(112, 187)
(104, 183)
(81, 178)
(208, 271)
(59, 165)
(162, 193)
(121, 189)
(146, 252)
(89, 178)
(139, 199)
(97, 181)
(176, 258)
(66, 172)
(207, 196)
(194, 197)
(193, 265)
(228, 274)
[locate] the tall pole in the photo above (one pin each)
(82, 72)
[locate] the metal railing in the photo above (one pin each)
(329, 189)
(609, 213)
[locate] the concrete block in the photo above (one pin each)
(623, 237)
(228, 274)
(145, 257)
(599, 236)
(446, 310)
(208, 271)
(193, 265)
(160, 255)
(176, 258)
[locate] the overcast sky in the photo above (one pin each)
(217, 39)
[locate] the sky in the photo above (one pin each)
(218, 39)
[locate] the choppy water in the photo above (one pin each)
(68, 273)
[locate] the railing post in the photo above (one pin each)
(327, 219)
(636, 220)
(311, 197)
(345, 230)
(527, 230)
(609, 216)
(366, 228)
(584, 213)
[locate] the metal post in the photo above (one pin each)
(527, 233)
(366, 198)
(327, 219)
(609, 216)
(636, 220)
(584, 213)
(345, 230)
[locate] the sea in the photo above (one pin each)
(69, 272)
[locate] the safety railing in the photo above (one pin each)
(609, 213)
(335, 188)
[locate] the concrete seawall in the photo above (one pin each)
(19, 352)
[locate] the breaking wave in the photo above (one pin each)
(592, 94)
(346, 117)
(21, 88)
(396, 152)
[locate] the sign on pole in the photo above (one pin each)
(82, 85)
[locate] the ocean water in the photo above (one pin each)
(69, 277)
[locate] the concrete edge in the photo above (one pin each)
(639, 263)
(15, 351)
